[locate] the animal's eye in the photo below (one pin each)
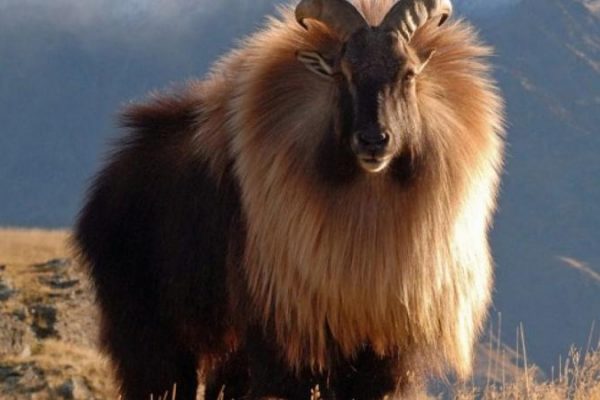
(409, 75)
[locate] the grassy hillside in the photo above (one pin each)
(47, 322)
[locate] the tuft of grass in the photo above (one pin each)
(510, 376)
(578, 379)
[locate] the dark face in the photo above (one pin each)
(376, 73)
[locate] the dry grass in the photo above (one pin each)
(577, 379)
(510, 376)
(28, 246)
(581, 267)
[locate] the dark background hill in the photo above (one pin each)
(66, 67)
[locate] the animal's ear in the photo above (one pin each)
(316, 63)
(425, 57)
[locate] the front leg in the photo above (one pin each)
(368, 376)
(272, 378)
(229, 379)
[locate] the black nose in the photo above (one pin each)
(374, 141)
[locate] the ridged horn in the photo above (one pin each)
(409, 15)
(339, 15)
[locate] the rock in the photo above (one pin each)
(44, 321)
(6, 291)
(58, 281)
(21, 380)
(54, 265)
(74, 388)
(8, 373)
(65, 390)
(20, 314)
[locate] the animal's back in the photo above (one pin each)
(154, 234)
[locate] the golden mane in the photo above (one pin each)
(405, 269)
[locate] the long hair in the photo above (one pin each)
(406, 268)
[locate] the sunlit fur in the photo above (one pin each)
(406, 268)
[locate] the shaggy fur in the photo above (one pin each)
(219, 233)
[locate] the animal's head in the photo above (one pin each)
(376, 70)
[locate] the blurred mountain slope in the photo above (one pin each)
(548, 64)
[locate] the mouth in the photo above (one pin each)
(374, 164)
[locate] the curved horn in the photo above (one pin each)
(409, 15)
(339, 15)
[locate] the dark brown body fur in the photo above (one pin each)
(140, 227)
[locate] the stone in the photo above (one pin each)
(65, 390)
(57, 281)
(44, 321)
(21, 380)
(9, 373)
(20, 313)
(54, 265)
(74, 388)
(6, 291)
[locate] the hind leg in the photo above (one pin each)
(365, 377)
(368, 376)
(148, 361)
(257, 372)
(229, 379)
(272, 378)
